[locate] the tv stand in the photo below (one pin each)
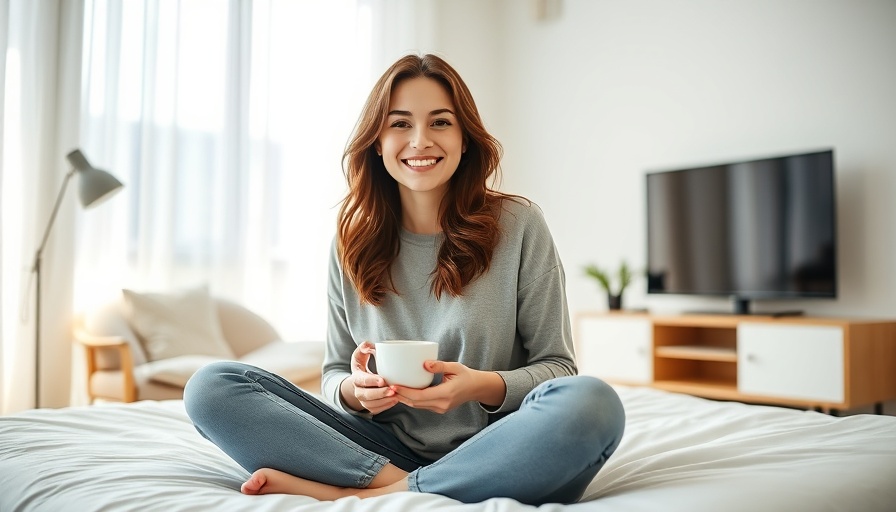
(772, 314)
(834, 364)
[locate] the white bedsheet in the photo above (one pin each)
(679, 454)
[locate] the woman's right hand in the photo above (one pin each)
(365, 390)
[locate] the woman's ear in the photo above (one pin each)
(376, 147)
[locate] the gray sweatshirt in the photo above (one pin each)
(513, 319)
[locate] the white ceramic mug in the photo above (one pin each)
(400, 362)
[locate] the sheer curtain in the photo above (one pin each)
(40, 47)
(226, 122)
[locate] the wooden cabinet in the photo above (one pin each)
(826, 363)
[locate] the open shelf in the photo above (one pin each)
(689, 357)
(698, 352)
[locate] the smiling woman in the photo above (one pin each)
(465, 213)
(421, 143)
(426, 250)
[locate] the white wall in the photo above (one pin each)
(586, 102)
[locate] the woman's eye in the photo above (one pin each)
(400, 124)
(441, 122)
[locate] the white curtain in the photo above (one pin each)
(41, 47)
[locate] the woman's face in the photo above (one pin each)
(421, 141)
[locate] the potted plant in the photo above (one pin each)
(623, 279)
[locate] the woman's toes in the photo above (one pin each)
(254, 484)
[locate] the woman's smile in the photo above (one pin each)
(421, 163)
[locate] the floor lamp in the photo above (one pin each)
(96, 185)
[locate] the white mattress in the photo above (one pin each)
(679, 454)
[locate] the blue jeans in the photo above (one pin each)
(547, 451)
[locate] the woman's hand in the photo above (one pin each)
(365, 390)
(459, 385)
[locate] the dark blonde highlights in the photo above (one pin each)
(369, 219)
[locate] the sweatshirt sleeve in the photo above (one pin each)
(340, 344)
(542, 316)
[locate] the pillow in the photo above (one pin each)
(294, 361)
(176, 371)
(178, 324)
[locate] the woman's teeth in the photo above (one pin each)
(422, 163)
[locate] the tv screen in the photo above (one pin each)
(757, 229)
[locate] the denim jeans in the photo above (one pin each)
(547, 451)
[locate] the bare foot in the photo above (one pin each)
(272, 481)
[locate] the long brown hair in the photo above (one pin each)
(369, 219)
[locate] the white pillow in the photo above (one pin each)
(176, 324)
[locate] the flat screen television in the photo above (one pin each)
(755, 229)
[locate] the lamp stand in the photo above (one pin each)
(96, 185)
(36, 268)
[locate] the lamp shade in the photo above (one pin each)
(95, 184)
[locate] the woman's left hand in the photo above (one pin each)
(459, 385)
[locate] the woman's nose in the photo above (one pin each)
(421, 139)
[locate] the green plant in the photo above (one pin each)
(623, 278)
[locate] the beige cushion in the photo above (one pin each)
(243, 329)
(176, 324)
(296, 362)
(176, 371)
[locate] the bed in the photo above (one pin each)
(680, 453)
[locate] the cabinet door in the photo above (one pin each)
(617, 349)
(791, 361)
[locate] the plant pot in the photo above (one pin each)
(614, 302)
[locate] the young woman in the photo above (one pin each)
(425, 249)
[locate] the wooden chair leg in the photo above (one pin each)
(90, 354)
